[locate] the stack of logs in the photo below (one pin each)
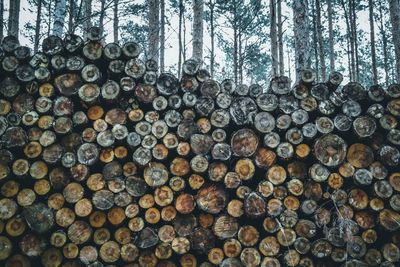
(106, 162)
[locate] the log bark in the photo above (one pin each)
(197, 31)
(59, 17)
(154, 30)
(301, 36)
(394, 10)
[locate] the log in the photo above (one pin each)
(104, 161)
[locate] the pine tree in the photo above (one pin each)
(13, 20)
(301, 36)
(394, 8)
(60, 12)
(274, 38)
(197, 32)
(1, 19)
(154, 29)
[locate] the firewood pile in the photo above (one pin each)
(104, 161)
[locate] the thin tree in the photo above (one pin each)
(274, 39)
(315, 39)
(320, 39)
(382, 31)
(60, 12)
(162, 35)
(280, 38)
(394, 9)
(372, 34)
(116, 21)
(330, 34)
(13, 20)
(71, 15)
(38, 25)
(180, 44)
(87, 15)
(154, 29)
(1, 19)
(211, 6)
(102, 15)
(197, 31)
(353, 18)
(350, 45)
(301, 36)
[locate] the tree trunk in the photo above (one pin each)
(87, 15)
(384, 44)
(197, 32)
(154, 30)
(71, 11)
(162, 35)
(280, 39)
(102, 15)
(59, 17)
(181, 10)
(350, 48)
(1, 19)
(320, 40)
(315, 39)
(331, 41)
(301, 36)
(235, 53)
(373, 50)
(116, 21)
(394, 7)
(240, 57)
(274, 42)
(13, 21)
(355, 39)
(212, 37)
(37, 26)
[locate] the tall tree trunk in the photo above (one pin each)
(116, 21)
(274, 41)
(1, 19)
(154, 30)
(240, 57)
(301, 36)
(384, 43)
(350, 47)
(197, 32)
(87, 15)
(60, 12)
(315, 38)
(320, 40)
(211, 5)
(372, 34)
(102, 15)
(13, 21)
(394, 8)
(71, 15)
(181, 10)
(280, 38)
(37, 26)
(235, 53)
(355, 39)
(331, 40)
(162, 35)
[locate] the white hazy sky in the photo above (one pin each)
(171, 53)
